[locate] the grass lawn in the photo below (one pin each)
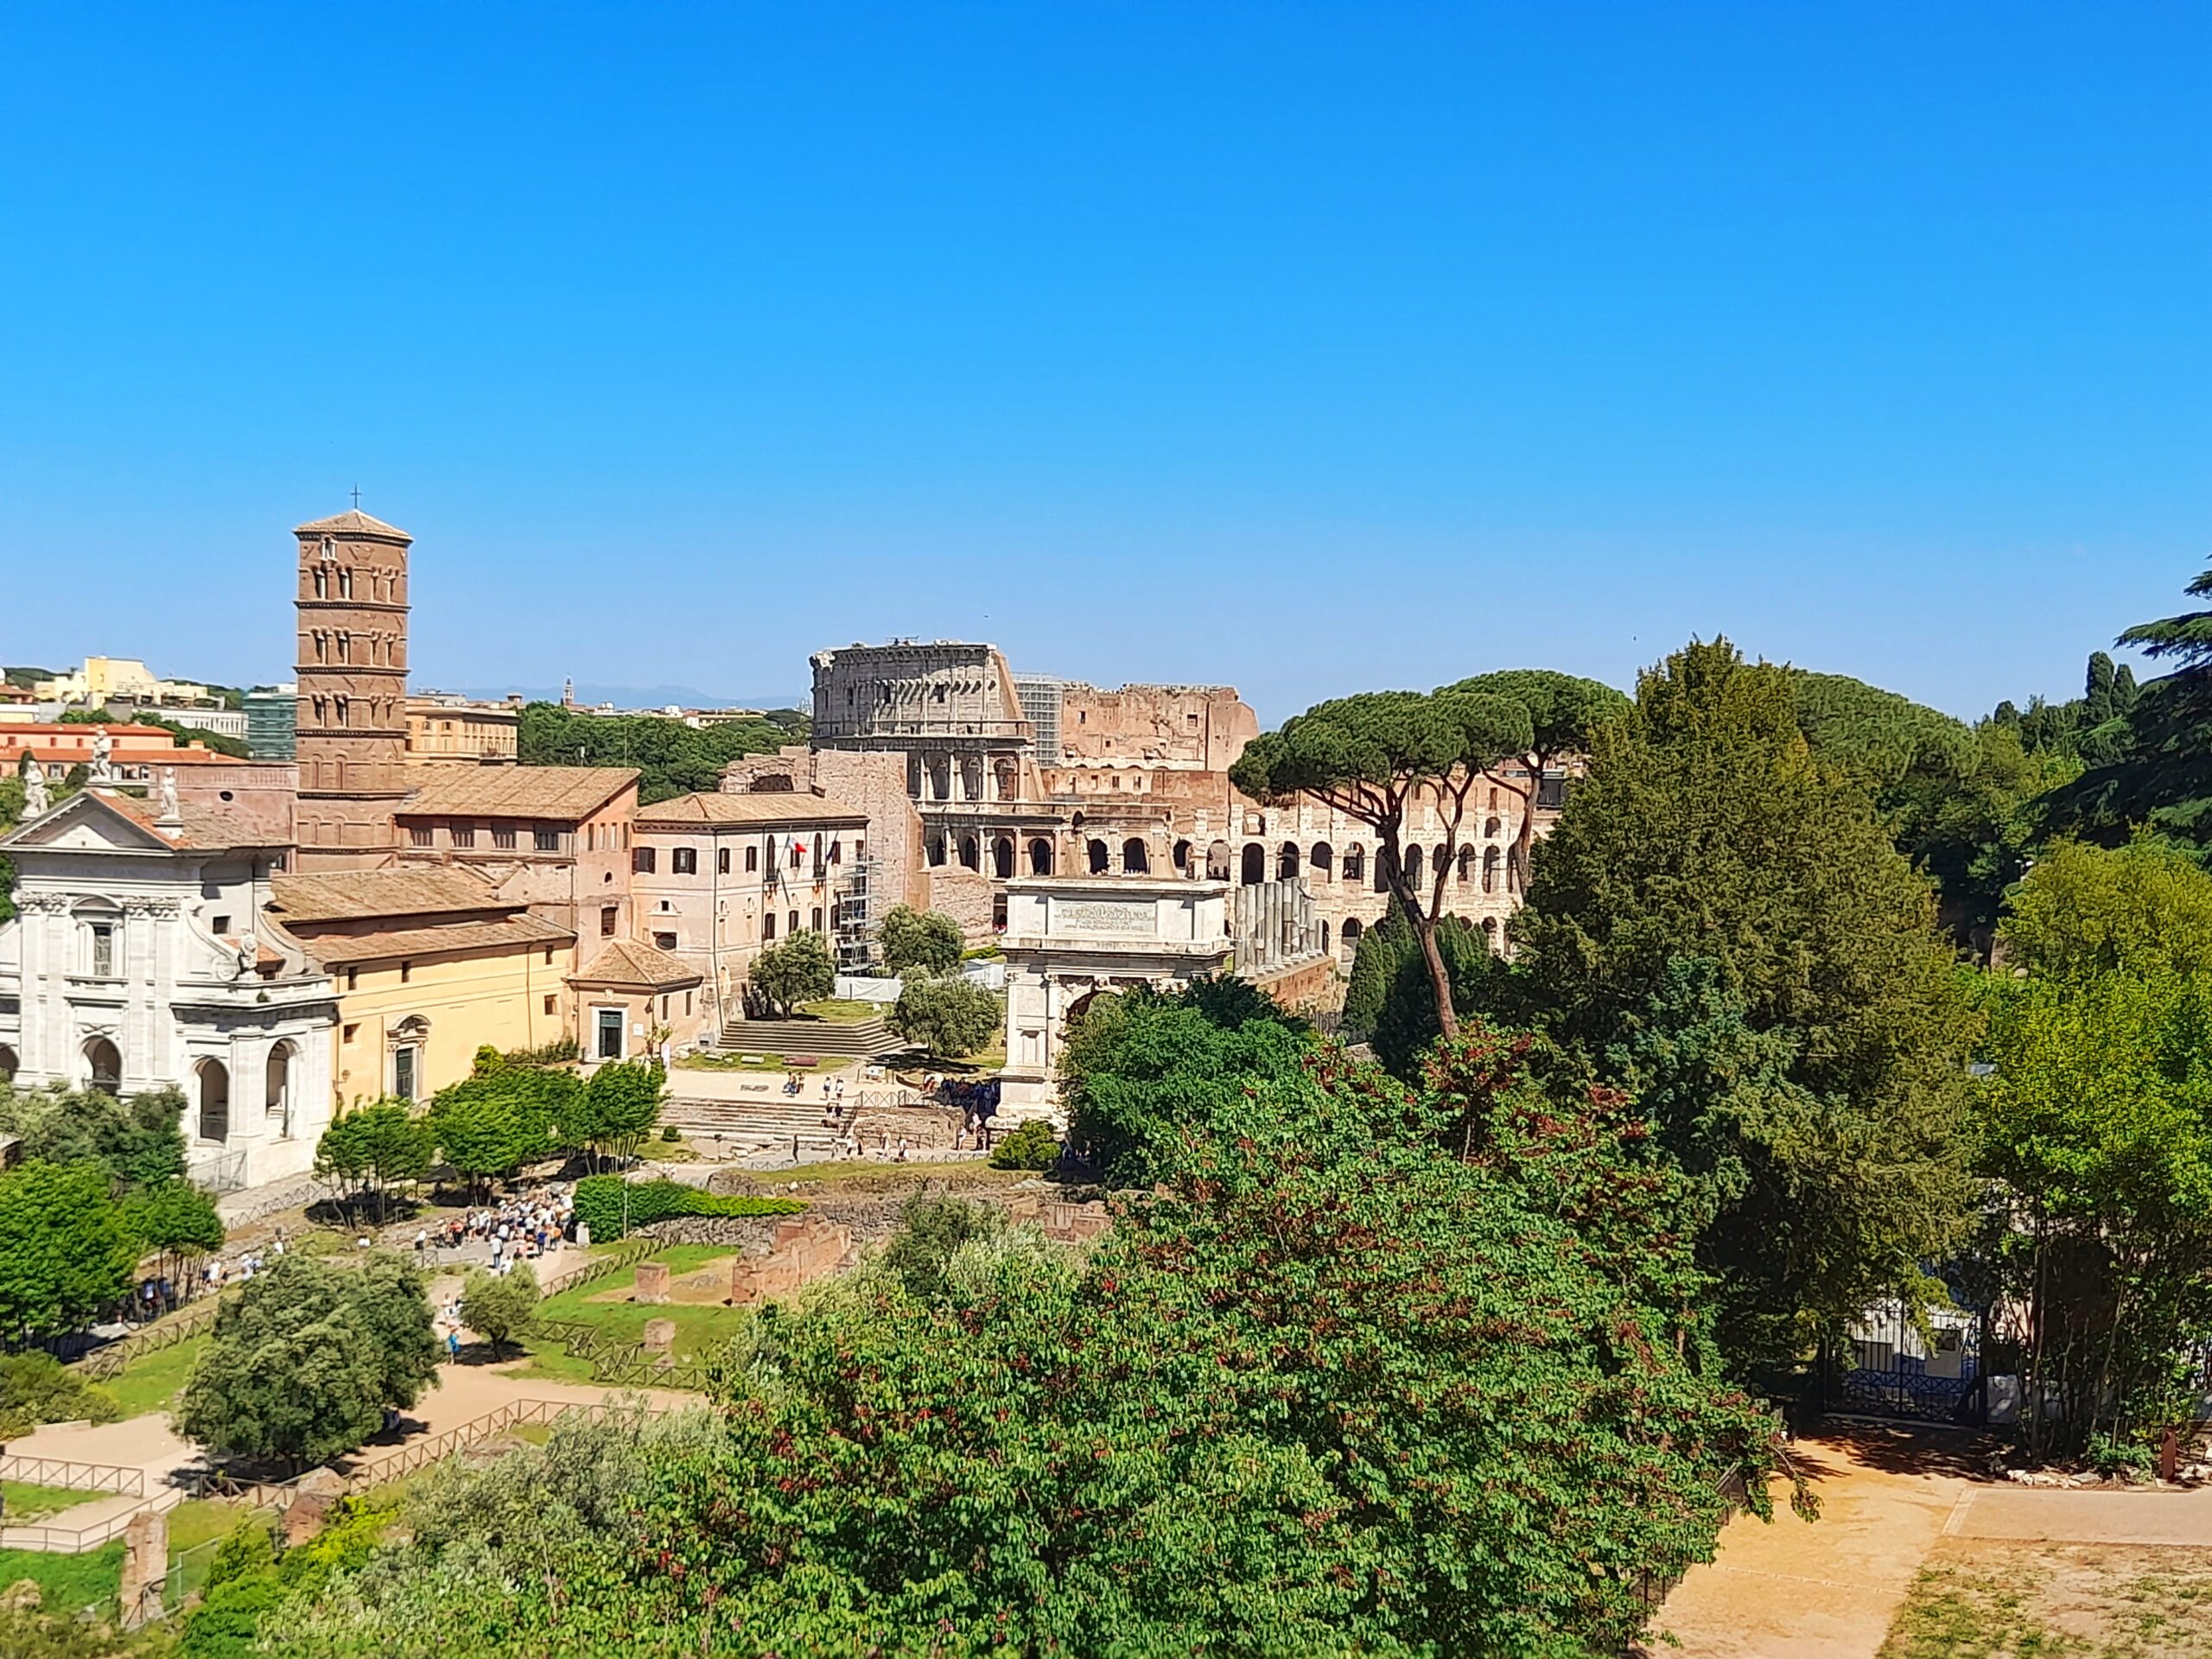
(865, 1173)
(197, 1526)
(842, 1010)
(67, 1582)
(150, 1382)
(1984, 1599)
(29, 1502)
(737, 1062)
(699, 1329)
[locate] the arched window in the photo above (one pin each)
(1467, 865)
(1491, 858)
(1413, 868)
(768, 926)
(214, 1079)
(1217, 861)
(936, 849)
(1324, 939)
(1098, 857)
(1040, 857)
(1286, 862)
(1490, 826)
(9, 1064)
(276, 1097)
(1353, 929)
(1181, 856)
(1323, 859)
(1490, 933)
(1256, 864)
(1355, 863)
(1134, 861)
(103, 1066)
(1006, 778)
(971, 854)
(1003, 856)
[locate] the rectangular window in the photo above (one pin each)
(721, 861)
(406, 972)
(548, 956)
(464, 835)
(503, 837)
(403, 1073)
(549, 1005)
(818, 919)
(352, 979)
(684, 860)
(794, 921)
(768, 926)
(352, 1032)
(664, 941)
(751, 860)
(687, 1005)
(607, 1022)
(102, 963)
(643, 860)
(418, 834)
(220, 924)
(546, 838)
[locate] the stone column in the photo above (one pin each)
(145, 1568)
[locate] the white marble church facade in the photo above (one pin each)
(134, 964)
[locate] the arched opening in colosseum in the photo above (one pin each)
(1467, 865)
(1491, 858)
(1324, 859)
(1324, 939)
(935, 851)
(1414, 868)
(1286, 862)
(1099, 862)
(1490, 826)
(1217, 861)
(1181, 856)
(1135, 859)
(1490, 933)
(1256, 864)
(1352, 930)
(1040, 857)
(1005, 776)
(971, 853)
(1003, 856)
(1355, 863)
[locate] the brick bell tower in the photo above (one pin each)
(352, 684)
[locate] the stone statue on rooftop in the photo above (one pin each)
(35, 799)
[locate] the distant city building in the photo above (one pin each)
(272, 722)
(447, 729)
(135, 751)
(554, 838)
(223, 722)
(105, 678)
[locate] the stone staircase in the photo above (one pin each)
(860, 1039)
(771, 1123)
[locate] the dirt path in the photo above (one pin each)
(2059, 1516)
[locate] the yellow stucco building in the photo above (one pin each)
(429, 965)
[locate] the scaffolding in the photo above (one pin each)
(853, 918)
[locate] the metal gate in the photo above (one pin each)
(1894, 1366)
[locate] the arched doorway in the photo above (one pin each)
(1096, 849)
(1286, 862)
(276, 1100)
(1413, 868)
(8, 1063)
(1355, 863)
(1217, 861)
(1002, 857)
(1491, 858)
(1040, 857)
(103, 1067)
(214, 1079)
(1256, 864)
(1324, 939)
(1135, 859)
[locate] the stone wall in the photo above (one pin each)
(1188, 727)
(873, 782)
(804, 1248)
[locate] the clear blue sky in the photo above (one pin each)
(1309, 348)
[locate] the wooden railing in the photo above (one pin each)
(627, 1253)
(165, 1333)
(75, 1540)
(119, 1478)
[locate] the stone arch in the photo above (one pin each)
(936, 850)
(1181, 856)
(277, 1086)
(1287, 861)
(971, 853)
(1003, 856)
(1040, 857)
(1096, 849)
(1467, 865)
(1490, 933)
(1491, 827)
(1008, 778)
(1350, 938)
(1414, 868)
(1218, 860)
(212, 1085)
(1136, 860)
(1325, 937)
(1355, 863)
(9, 1064)
(102, 1066)
(1323, 859)
(1492, 857)
(1256, 864)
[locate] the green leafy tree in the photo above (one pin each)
(138, 1142)
(1565, 713)
(177, 1222)
(499, 1306)
(1032, 1145)
(947, 1017)
(931, 1231)
(1382, 952)
(1378, 756)
(374, 1150)
(1707, 830)
(306, 1358)
(617, 1107)
(36, 1387)
(487, 1126)
(1406, 1023)
(2086, 910)
(671, 758)
(67, 1251)
(926, 939)
(797, 970)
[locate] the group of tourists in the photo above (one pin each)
(158, 1295)
(524, 1228)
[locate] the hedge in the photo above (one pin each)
(599, 1201)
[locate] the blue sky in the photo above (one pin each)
(1308, 348)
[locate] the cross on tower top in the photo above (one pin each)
(357, 497)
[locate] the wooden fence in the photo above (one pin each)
(165, 1333)
(75, 1540)
(119, 1478)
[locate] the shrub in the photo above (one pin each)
(1033, 1146)
(600, 1204)
(948, 1017)
(931, 1229)
(498, 1308)
(2120, 1459)
(36, 1387)
(668, 1132)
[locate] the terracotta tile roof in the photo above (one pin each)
(357, 896)
(563, 793)
(204, 829)
(520, 932)
(352, 521)
(633, 966)
(776, 807)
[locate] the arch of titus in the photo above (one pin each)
(1068, 939)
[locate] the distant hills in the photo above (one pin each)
(639, 697)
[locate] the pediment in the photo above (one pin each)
(86, 822)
